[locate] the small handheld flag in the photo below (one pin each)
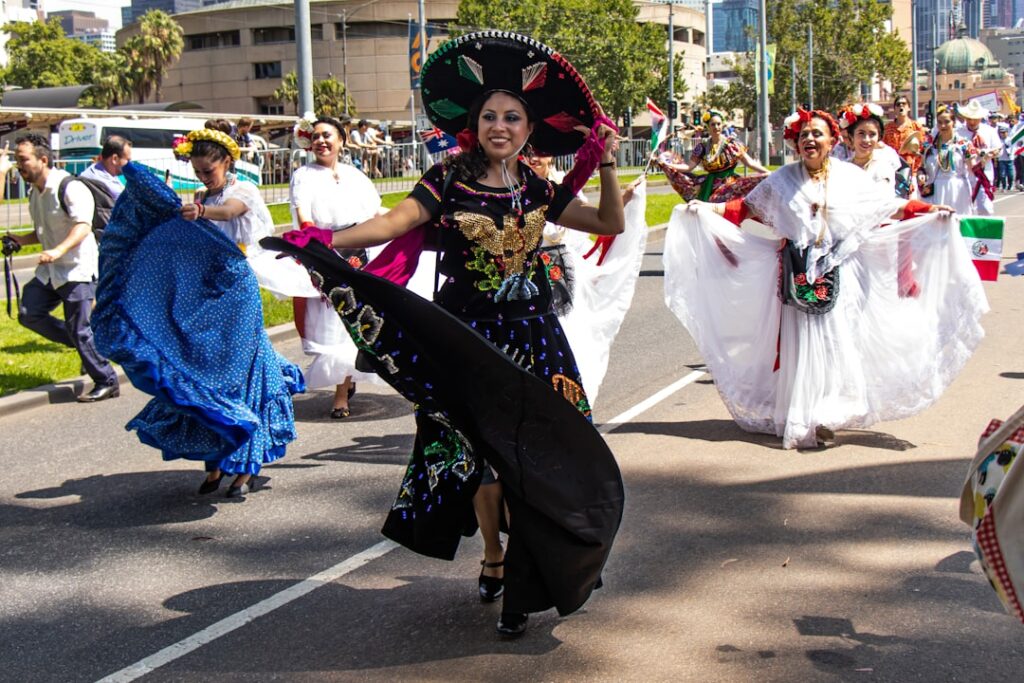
(983, 237)
(437, 140)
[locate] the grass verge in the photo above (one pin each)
(28, 360)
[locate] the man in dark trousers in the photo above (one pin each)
(68, 265)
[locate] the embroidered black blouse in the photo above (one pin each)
(485, 242)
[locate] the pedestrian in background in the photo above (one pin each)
(109, 168)
(68, 266)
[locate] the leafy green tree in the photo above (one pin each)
(110, 84)
(851, 47)
(40, 56)
(328, 95)
(621, 60)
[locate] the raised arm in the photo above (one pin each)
(608, 218)
(752, 164)
(405, 216)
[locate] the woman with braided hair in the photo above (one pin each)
(719, 155)
(861, 307)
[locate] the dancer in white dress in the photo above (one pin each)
(863, 126)
(949, 167)
(598, 280)
(333, 196)
(800, 370)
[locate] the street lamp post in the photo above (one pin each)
(810, 66)
(763, 99)
(913, 58)
(344, 56)
(303, 48)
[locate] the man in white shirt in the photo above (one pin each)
(68, 265)
(987, 142)
(115, 155)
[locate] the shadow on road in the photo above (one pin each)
(366, 407)
(727, 430)
(389, 449)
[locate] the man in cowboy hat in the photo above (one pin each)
(987, 142)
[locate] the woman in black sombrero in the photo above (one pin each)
(478, 410)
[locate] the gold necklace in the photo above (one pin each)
(817, 174)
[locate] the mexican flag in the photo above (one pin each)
(659, 124)
(984, 239)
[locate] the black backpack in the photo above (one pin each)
(101, 197)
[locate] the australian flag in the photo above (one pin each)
(437, 140)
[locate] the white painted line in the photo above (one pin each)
(1008, 196)
(292, 593)
(239, 619)
(650, 402)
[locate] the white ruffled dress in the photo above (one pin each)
(284, 278)
(334, 204)
(602, 293)
(875, 356)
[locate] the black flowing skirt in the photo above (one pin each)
(500, 393)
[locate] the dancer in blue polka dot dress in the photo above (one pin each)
(179, 308)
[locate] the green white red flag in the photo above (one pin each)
(983, 236)
(659, 124)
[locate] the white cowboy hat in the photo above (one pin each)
(973, 110)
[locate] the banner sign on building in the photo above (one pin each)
(415, 53)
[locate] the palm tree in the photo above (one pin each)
(329, 96)
(161, 45)
(138, 77)
(289, 90)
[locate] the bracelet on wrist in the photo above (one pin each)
(606, 164)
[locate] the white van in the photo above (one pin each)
(79, 142)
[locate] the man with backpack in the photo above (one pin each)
(68, 265)
(115, 155)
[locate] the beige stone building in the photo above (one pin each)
(237, 52)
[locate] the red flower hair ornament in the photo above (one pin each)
(795, 122)
(858, 112)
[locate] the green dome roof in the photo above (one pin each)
(961, 55)
(994, 73)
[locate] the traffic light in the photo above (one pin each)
(673, 110)
(929, 118)
(627, 118)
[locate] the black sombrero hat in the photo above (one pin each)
(461, 70)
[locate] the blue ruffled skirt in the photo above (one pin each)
(179, 308)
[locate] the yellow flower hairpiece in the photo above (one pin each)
(184, 149)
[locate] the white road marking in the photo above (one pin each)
(650, 402)
(239, 619)
(292, 593)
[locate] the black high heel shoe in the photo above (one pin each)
(351, 390)
(210, 485)
(491, 587)
(512, 624)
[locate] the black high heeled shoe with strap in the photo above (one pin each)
(491, 587)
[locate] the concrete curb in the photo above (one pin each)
(66, 391)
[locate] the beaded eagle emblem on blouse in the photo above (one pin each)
(511, 243)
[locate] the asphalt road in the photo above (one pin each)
(736, 561)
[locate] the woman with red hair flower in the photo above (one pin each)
(841, 319)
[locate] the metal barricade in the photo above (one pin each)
(397, 168)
